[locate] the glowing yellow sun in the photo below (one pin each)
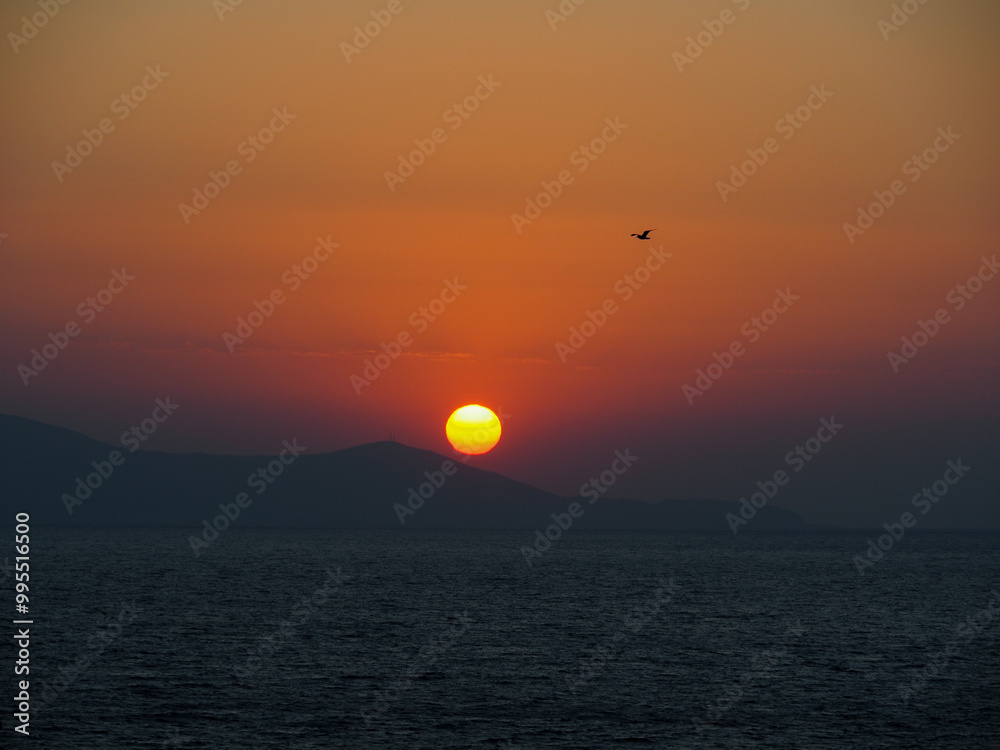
(473, 429)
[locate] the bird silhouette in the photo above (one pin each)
(644, 235)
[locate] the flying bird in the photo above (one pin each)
(644, 235)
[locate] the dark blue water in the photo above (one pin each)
(284, 639)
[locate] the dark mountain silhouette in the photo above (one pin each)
(46, 468)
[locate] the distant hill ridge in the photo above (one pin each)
(64, 478)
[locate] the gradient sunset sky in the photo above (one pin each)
(552, 90)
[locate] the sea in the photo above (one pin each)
(464, 639)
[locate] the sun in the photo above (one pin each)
(473, 429)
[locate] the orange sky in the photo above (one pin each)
(323, 176)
